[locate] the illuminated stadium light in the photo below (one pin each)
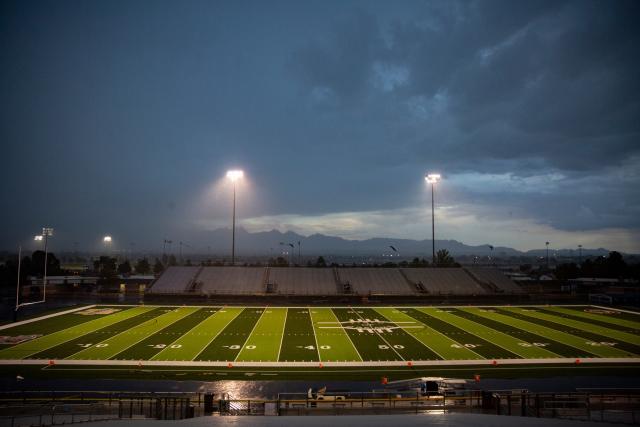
(432, 178)
(107, 239)
(38, 238)
(235, 175)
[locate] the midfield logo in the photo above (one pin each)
(371, 326)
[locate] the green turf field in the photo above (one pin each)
(169, 335)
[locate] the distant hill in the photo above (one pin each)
(268, 242)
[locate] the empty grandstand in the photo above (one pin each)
(302, 281)
(231, 280)
(444, 281)
(495, 279)
(381, 281)
(175, 280)
(298, 281)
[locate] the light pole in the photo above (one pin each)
(234, 175)
(433, 179)
(46, 232)
(547, 243)
(580, 259)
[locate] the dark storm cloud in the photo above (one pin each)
(118, 115)
(528, 88)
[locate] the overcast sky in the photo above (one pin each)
(122, 117)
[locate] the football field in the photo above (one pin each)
(334, 336)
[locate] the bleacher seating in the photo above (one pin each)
(303, 281)
(231, 280)
(366, 281)
(174, 280)
(442, 281)
(495, 277)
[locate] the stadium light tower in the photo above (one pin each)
(46, 233)
(234, 176)
(433, 179)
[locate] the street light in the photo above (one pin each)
(234, 175)
(433, 179)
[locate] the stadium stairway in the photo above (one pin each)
(268, 286)
(194, 285)
(341, 287)
(413, 286)
(487, 286)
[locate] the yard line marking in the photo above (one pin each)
(152, 321)
(447, 337)
(101, 322)
(219, 332)
(380, 335)
(471, 333)
(286, 313)
(144, 337)
(250, 333)
(330, 310)
(315, 338)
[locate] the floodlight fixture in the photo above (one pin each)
(235, 174)
(38, 238)
(432, 178)
(107, 239)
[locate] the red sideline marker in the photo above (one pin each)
(495, 362)
(577, 361)
(230, 365)
(51, 362)
(409, 363)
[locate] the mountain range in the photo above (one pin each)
(274, 242)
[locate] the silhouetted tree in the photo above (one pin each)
(444, 259)
(158, 267)
(320, 262)
(124, 268)
(143, 266)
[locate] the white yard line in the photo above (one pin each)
(250, 333)
(488, 339)
(471, 362)
(219, 332)
(315, 338)
(380, 335)
(186, 333)
(48, 316)
(345, 331)
(284, 326)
